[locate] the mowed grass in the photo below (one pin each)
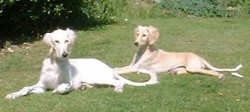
(223, 42)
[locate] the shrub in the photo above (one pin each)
(243, 6)
(32, 16)
(99, 10)
(20, 18)
(137, 9)
(207, 8)
(195, 7)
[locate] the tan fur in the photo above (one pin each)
(151, 60)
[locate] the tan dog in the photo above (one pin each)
(151, 60)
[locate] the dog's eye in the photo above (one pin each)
(66, 41)
(56, 41)
(144, 35)
(137, 34)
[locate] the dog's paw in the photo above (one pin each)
(221, 76)
(119, 88)
(62, 89)
(11, 96)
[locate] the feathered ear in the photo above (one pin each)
(153, 34)
(47, 38)
(71, 35)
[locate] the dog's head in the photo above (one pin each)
(145, 35)
(60, 41)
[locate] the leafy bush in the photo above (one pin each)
(20, 18)
(99, 10)
(207, 8)
(35, 17)
(195, 7)
(240, 5)
(137, 9)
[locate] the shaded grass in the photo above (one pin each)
(223, 42)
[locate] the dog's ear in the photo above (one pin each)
(47, 38)
(71, 35)
(153, 34)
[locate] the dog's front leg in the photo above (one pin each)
(153, 76)
(127, 69)
(63, 88)
(37, 88)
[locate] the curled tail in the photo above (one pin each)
(129, 82)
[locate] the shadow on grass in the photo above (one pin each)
(8, 37)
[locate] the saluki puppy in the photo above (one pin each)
(149, 59)
(62, 75)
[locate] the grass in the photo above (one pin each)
(222, 41)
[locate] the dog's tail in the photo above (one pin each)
(126, 81)
(233, 70)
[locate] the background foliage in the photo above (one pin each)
(27, 20)
(207, 8)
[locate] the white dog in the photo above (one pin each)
(149, 59)
(62, 75)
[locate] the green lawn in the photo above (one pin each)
(223, 42)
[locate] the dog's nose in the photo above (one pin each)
(65, 55)
(136, 43)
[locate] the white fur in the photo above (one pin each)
(62, 75)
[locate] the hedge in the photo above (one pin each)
(29, 18)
